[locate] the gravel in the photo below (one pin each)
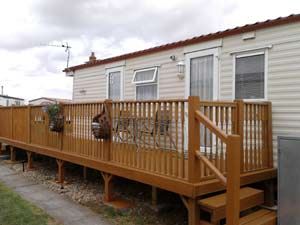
(90, 193)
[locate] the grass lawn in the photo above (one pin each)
(16, 211)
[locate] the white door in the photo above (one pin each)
(202, 80)
(202, 74)
(114, 83)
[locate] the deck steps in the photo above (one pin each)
(260, 217)
(215, 205)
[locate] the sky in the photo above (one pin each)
(32, 69)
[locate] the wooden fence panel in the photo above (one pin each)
(6, 122)
(149, 135)
(77, 136)
(20, 123)
(256, 147)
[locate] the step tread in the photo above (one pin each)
(203, 222)
(219, 201)
(260, 217)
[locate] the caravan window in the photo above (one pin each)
(250, 77)
(146, 83)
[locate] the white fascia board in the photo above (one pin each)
(203, 46)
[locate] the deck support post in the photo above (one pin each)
(107, 186)
(29, 160)
(12, 154)
(61, 171)
(193, 211)
(85, 173)
(154, 196)
(269, 190)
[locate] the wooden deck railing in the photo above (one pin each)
(229, 158)
(154, 136)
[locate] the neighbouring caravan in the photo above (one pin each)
(258, 62)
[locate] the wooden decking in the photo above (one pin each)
(153, 141)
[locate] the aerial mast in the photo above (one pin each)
(67, 48)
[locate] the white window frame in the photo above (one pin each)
(145, 81)
(148, 82)
(189, 56)
(252, 53)
(112, 70)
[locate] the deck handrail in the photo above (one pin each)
(210, 125)
(212, 167)
(232, 182)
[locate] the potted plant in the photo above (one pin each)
(56, 118)
(101, 125)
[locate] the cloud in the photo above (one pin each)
(30, 69)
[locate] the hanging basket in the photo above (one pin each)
(101, 125)
(56, 124)
(56, 118)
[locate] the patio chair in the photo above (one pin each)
(122, 125)
(161, 127)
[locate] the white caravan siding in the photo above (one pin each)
(283, 78)
(93, 80)
(89, 84)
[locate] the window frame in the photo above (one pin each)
(107, 74)
(148, 82)
(252, 53)
(145, 81)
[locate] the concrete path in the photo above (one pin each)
(59, 207)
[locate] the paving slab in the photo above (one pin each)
(59, 207)
(14, 181)
(6, 171)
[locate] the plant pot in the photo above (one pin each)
(100, 130)
(56, 124)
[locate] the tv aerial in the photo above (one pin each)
(67, 48)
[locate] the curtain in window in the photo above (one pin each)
(114, 85)
(201, 81)
(201, 84)
(249, 78)
(146, 92)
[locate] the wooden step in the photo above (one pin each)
(203, 222)
(215, 205)
(260, 217)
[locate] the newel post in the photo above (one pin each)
(270, 135)
(240, 129)
(233, 180)
(107, 154)
(193, 140)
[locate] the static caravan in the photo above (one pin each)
(195, 117)
(258, 62)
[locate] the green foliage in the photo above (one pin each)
(53, 110)
(16, 211)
